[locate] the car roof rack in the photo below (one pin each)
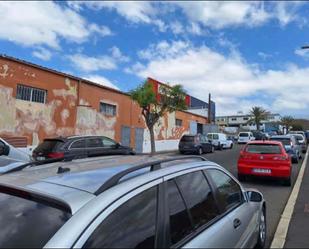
(36, 163)
(154, 165)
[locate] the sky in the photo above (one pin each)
(244, 53)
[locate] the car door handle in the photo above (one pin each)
(236, 223)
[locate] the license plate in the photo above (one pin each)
(40, 158)
(263, 171)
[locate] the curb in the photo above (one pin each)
(283, 226)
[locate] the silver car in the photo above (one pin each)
(129, 202)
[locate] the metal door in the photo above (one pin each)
(125, 135)
(193, 128)
(139, 140)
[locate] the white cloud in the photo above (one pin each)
(302, 52)
(101, 81)
(87, 63)
(233, 82)
(44, 23)
(264, 56)
(42, 54)
(116, 54)
(91, 64)
(177, 27)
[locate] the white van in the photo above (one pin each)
(245, 137)
(220, 141)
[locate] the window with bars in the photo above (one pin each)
(108, 109)
(178, 122)
(31, 94)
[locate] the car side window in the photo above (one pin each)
(198, 198)
(215, 136)
(94, 143)
(180, 224)
(79, 144)
(108, 142)
(229, 193)
(132, 225)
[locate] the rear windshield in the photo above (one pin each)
(263, 148)
(49, 145)
(27, 223)
(299, 137)
(243, 134)
(284, 141)
(187, 139)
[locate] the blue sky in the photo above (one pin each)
(244, 53)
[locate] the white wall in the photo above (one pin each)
(162, 145)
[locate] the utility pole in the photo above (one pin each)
(209, 108)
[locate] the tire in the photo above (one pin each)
(231, 147)
(220, 146)
(181, 152)
(262, 231)
(295, 160)
(200, 151)
(287, 182)
(241, 178)
(212, 149)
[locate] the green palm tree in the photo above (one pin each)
(287, 122)
(258, 114)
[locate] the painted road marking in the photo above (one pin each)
(282, 229)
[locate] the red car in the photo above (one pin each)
(264, 158)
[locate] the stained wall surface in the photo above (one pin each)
(73, 108)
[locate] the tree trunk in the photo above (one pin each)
(257, 121)
(152, 140)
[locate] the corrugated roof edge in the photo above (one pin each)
(4, 56)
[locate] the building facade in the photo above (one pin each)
(37, 102)
(245, 122)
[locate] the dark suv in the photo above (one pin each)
(198, 144)
(79, 147)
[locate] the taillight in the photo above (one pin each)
(56, 155)
(281, 158)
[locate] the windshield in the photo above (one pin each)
(284, 141)
(263, 148)
(49, 145)
(187, 139)
(27, 223)
(244, 134)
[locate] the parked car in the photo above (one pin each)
(302, 142)
(116, 205)
(297, 132)
(291, 146)
(245, 137)
(197, 144)
(264, 158)
(220, 141)
(259, 135)
(8, 150)
(79, 147)
(307, 136)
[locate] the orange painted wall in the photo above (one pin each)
(72, 107)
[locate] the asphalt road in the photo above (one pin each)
(275, 194)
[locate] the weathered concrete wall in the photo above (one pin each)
(73, 107)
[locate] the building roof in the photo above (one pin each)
(60, 73)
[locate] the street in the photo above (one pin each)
(275, 194)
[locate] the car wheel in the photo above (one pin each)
(295, 160)
(231, 147)
(262, 231)
(200, 151)
(287, 182)
(241, 178)
(212, 149)
(181, 152)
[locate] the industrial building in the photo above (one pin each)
(38, 102)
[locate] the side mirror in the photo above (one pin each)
(254, 196)
(4, 149)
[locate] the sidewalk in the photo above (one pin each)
(298, 232)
